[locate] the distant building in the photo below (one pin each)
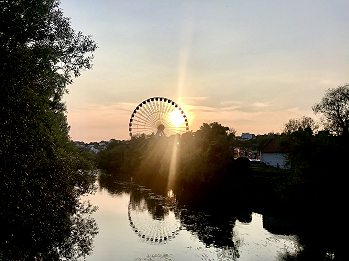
(272, 154)
(103, 144)
(247, 136)
(93, 148)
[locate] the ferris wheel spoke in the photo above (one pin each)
(146, 111)
(146, 108)
(143, 115)
(149, 121)
(153, 118)
(143, 118)
(160, 103)
(151, 107)
(144, 128)
(142, 125)
(169, 108)
(142, 121)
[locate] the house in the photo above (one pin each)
(247, 136)
(272, 154)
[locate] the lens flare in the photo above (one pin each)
(173, 164)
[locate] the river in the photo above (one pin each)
(137, 224)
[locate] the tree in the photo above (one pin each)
(303, 123)
(41, 182)
(335, 108)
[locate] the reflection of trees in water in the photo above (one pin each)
(157, 219)
(153, 217)
(112, 185)
(84, 229)
(213, 230)
(158, 206)
(70, 238)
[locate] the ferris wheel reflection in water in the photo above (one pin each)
(154, 218)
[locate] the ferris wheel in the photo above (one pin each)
(159, 116)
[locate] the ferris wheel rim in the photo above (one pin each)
(154, 112)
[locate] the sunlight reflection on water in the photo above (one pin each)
(259, 244)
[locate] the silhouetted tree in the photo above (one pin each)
(303, 123)
(334, 106)
(41, 179)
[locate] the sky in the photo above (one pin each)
(248, 65)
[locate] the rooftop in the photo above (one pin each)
(273, 146)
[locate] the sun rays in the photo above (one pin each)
(173, 164)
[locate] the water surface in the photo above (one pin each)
(137, 224)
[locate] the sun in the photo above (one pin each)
(176, 117)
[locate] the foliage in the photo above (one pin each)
(334, 106)
(303, 123)
(317, 175)
(313, 156)
(40, 167)
(112, 158)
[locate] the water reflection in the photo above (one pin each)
(160, 224)
(154, 218)
(213, 230)
(157, 219)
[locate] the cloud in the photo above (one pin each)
(225, 103)
(261, 104)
